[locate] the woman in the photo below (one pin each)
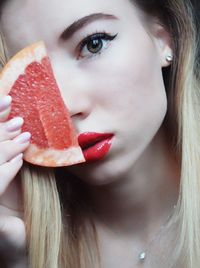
(139, 205)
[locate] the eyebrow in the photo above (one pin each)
(79, 24)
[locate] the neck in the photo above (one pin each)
(142, 200)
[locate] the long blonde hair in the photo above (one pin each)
(60, 231)
(183, 119)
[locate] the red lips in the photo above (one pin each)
(95, 146)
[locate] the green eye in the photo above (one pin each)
(94, 44)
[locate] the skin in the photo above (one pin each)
(135, 187)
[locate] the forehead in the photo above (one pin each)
(45, 19)
(48, 9)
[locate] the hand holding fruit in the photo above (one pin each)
(12, 145)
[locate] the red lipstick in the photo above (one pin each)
(94, 145)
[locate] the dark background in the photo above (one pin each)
(197, 18)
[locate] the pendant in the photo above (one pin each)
(142, 256)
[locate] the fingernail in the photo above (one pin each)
(5, 102)
(22, 138)
(16, 158)
(14, 124)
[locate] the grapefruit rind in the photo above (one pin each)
(51, 157)
(18, 63)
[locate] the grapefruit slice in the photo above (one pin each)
(28, 77)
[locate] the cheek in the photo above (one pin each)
(132, 85)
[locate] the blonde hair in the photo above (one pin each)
(57, 234)
(183, 119)
(60, 233)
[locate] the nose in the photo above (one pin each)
(78, 105)
(77, 98)
(73, 88)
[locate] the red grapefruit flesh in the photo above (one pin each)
(28, 77)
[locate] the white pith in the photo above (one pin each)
(51, 157)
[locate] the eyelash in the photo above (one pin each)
(91, 37)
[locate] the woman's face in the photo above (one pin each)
(113, 85)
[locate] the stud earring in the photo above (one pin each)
(169, 58)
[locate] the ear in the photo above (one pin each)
(163, 43)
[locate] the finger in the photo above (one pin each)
(5, 107)
(13, 234)
(11, 148)
(16, 234)
(10, 129)
(12, 237)
(8, 171)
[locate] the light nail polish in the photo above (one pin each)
(16, 158)
(22, 138)
(5, 102)
(14, 124)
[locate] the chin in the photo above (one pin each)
(103, 172)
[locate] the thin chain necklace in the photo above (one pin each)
(143, 254)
